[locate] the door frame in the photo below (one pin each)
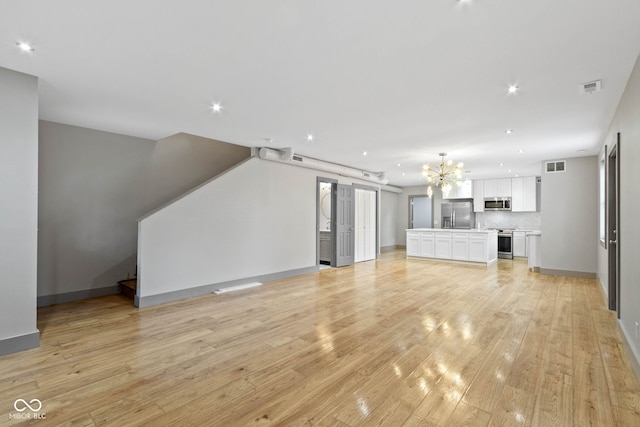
(613, 225)
(334, 185)
(377, 191)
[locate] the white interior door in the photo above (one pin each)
(365, 225)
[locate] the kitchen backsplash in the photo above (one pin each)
(498, 219)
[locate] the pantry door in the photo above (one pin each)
(365, 225)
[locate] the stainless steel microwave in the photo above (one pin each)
(497, 204)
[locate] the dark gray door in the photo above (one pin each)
(613, 178)
(345, 225)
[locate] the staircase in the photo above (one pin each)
(128, 288)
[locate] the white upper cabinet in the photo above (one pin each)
(465, 191)
(523, 194)
(521, 190)
(478, 195)
(530, 199)
(497, 188)
(504, 187)
(490, 188)
(517, 194)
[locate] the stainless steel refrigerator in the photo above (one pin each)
(458, 215)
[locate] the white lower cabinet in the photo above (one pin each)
(428, 245)
(534, 251)
(421, 244)
(443, 244)
(413, 244)
(478, 247)
(460, 246)
(519, 243)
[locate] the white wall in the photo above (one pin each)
(18, 210)
(570, 218)
(257, 219)
(627, 122)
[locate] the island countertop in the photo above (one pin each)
(456, 230)
(478, 246)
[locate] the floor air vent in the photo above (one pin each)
(237, 288)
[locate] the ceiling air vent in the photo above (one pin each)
(590, 87)
(555, 166)
(296, 158)
(366, 174)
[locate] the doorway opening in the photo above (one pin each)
(347, 223)
(325, 224)
(420, 212)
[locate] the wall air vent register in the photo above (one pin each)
(590, 87)
(555, 166)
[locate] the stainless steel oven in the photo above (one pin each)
(505, 244)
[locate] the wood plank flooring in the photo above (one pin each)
(392, 342)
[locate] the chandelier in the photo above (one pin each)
(445, 176)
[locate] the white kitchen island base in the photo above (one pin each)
(468, 246)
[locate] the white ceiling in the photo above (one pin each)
(402, 80)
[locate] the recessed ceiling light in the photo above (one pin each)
(513, 89)
(521, 151)
(516, 175)
(216, 107)
(402, 173)
(501, 164)
(364, 153)
(25, 47)
(398, 164)
(509, 171)
(309, 137)
(508, 131)
(582, 150)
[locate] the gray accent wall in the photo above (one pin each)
(403, 210)
(570, 217)
(181, 162)
(91, 185)
(388, 218)
(18, 210)
(627, 122)
(94, 186)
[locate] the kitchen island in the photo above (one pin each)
(470, 246)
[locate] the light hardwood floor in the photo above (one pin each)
(392, 342)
